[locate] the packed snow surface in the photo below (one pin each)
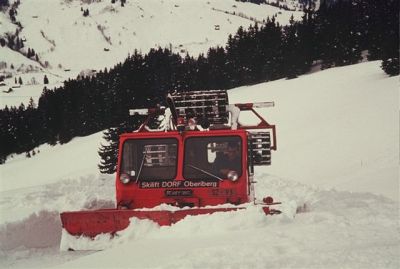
(337, 165)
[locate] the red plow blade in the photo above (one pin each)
(92, 223)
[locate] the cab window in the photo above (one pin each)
(212, 158)
(150, 159)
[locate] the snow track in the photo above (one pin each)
(336, 229)
(355, 228)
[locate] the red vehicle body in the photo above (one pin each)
(179, 168)
(203, 193)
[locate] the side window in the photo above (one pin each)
(150, 159)
(212, 157)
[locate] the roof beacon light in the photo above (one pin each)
(180, 124)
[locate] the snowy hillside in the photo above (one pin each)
(68, 43)
(337, 159)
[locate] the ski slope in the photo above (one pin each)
(337, 160)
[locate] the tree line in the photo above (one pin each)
(335, 35)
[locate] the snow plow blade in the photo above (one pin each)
(92, 223)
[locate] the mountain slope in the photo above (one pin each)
(66, 37)
(68, 43)
(349, 209)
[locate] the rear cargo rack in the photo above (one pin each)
(207, 110)
(260, 148)
(211, 105)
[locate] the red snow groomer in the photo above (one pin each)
(200, 161)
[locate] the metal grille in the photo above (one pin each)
(260, 148)
(202, 104)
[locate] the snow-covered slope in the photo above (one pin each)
(343, 120)
(138, 25)
(68, 43)
(337, 158)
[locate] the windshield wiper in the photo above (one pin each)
(205, 172)
(141, 166)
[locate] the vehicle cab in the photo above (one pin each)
(182, 169)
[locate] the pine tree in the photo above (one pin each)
(50, 114)
(6, 134)
(45, 80)
(218, 78)
(390, 42)
(11, 12)
(109, 152)
(391, 66)
(31, 121)
(18, 44)
(4, 3)
(292, 61)
(271, 50)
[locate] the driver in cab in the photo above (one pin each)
(228, 160)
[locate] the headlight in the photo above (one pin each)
(233, 175)
(124, 178)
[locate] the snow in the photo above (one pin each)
(32, 75)
(56, 160)
(70, 42)
(326, 120)
(336, 164)
(6, 25)
(88, 36)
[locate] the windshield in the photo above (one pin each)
(212, 157)
(150, 159)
